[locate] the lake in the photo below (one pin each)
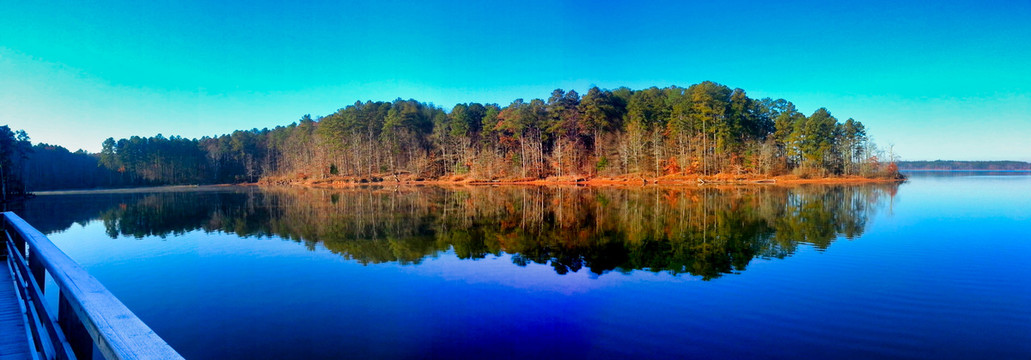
(938, 267)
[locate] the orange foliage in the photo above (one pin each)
(693, 169)
(671, 166)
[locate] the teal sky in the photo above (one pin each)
(939, 80)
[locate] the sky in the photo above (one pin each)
(932, 80)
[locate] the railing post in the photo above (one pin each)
(10, 235)
(76, 334)
(14, 236)
(39, 272)
(3, 230)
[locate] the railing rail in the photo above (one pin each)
(88, 315)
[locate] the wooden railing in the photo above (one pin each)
(88, 316)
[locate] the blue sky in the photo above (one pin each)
(939, 80)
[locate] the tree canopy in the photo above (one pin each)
(704, 129)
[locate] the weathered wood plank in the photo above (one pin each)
(14, 339)
(46, 332)
(115, 330)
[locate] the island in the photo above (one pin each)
(703, 133)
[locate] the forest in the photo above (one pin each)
(705, 129)
(25, 167)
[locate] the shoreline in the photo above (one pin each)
(624, 181)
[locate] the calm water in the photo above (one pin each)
(939, 267)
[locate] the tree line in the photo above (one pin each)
(703, 129)
(14, 150)
(25, 167)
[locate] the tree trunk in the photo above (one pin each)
(3, 183)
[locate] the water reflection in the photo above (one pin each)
(706, 232)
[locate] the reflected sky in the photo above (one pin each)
(935, 268)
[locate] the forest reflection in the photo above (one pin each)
(702, 231)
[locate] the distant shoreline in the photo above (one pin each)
(960, 170)
(961, 165)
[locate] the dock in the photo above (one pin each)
(88, 323)
(14, 341)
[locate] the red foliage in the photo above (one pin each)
(893, 168)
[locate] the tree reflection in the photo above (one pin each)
(702, 231)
